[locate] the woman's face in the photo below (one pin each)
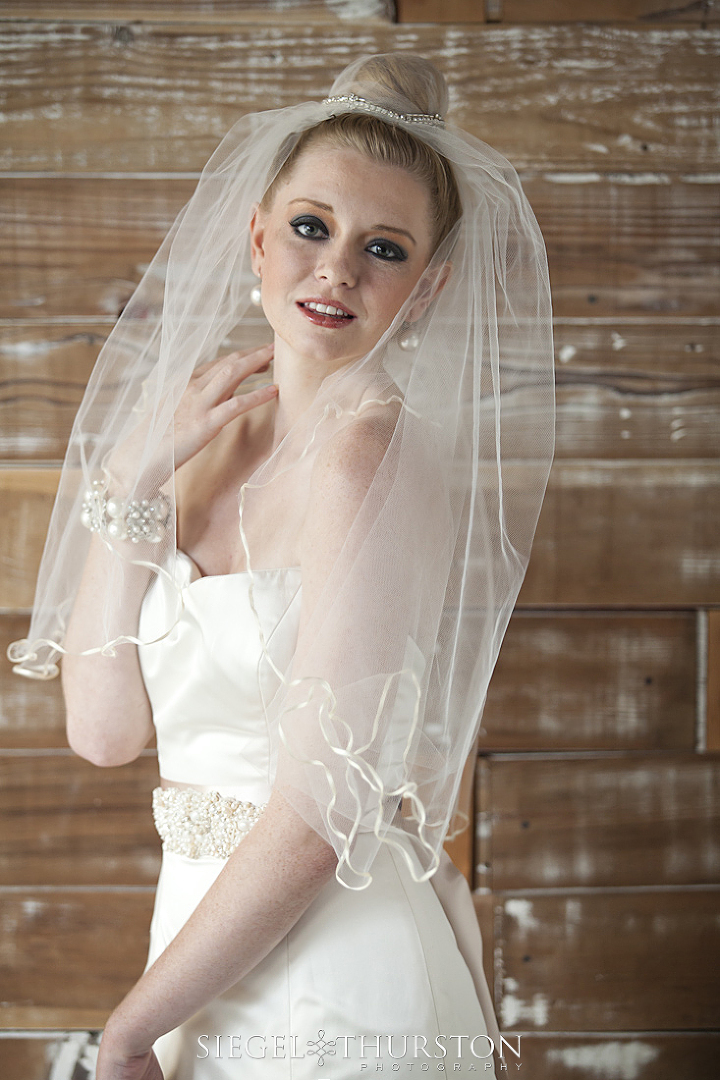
(345, 234)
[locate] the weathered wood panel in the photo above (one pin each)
(26, 500)
(41, 1056)
(594, 681)
(642, 1055)
(70, 955)
(643, 388)
(627, 534)
(642, 13)
(636, 247)
(638, 388)
(227, 11)
(43, 373)
(64, 821)
(77, 247)
(626, 961)
(600, 822)
(32, 713)
(712, 710)
(160, 96)
(611, 533)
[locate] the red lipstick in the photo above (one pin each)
(326, 313)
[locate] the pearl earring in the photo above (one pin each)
(256, 296)
(409, 341)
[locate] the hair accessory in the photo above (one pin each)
(360, 104)
(124, 519)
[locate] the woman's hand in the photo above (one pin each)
(209, 401)
(206, 406)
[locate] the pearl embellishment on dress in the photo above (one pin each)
(196, 823)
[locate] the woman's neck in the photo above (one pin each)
(298, 380)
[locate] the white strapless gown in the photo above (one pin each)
(382, 962)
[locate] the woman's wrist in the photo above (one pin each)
(124, 1037)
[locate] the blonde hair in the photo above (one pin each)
(407, 78)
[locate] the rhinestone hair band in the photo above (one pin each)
(359, 104)
(197, 823)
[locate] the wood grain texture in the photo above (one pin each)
(78, 247)
(593, 823)
(627, 961)
(712, 684)
(622, 534)
(642, 1055)
(641, 388)
(44, 369)
(204, 11)
(64, 821)
(41, 1056)
(32, 713)
(592, 681)
(627, 534)
(641, 13)
(159, 96)
(26, 501)
(70, 955)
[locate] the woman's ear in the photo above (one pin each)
(257, 240)
(429, 286)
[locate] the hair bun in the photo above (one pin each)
(399, 81)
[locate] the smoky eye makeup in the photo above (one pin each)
(387, 250)
(309, 226)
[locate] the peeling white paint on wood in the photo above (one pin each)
(522, 911)
(75, 1049)
(606, 1060)
(697, 565)
(513, 1010)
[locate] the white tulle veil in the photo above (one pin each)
(373, 716)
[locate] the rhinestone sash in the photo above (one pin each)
(196, 823)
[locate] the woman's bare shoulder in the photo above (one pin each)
(351, 457)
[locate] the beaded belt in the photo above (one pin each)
(196, 823)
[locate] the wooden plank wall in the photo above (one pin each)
(596, 852)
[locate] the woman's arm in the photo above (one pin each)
(266, 885)
(282, 864)
(109, 719)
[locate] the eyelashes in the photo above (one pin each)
(310, 227)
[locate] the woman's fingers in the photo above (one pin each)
(241, 403)
(237, 366)
(210, 402)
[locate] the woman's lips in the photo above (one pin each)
(322, 314)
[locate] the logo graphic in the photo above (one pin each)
(320, 1047)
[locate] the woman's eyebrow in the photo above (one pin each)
(394, 228)
(380, 228)
(313, 202)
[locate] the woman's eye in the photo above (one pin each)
(310, 227)
(385, 249)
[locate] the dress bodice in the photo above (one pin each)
(208, 679)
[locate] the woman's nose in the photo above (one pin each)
(336, 265)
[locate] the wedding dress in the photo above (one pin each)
(366, 980)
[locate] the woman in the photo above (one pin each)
(303, 588)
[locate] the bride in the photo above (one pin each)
(300, 585)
